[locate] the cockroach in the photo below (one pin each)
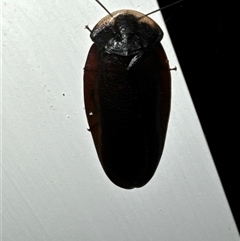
(127, 94)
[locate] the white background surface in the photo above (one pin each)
(53, 187)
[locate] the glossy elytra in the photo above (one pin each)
(127, 94)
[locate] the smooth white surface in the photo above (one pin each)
(54, 188)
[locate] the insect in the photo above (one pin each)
(127, 94)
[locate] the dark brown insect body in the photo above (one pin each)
(127, 92)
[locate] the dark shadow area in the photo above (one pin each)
(201, 36)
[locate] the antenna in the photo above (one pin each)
(103, 7)
(163, 7)
(145, 14)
